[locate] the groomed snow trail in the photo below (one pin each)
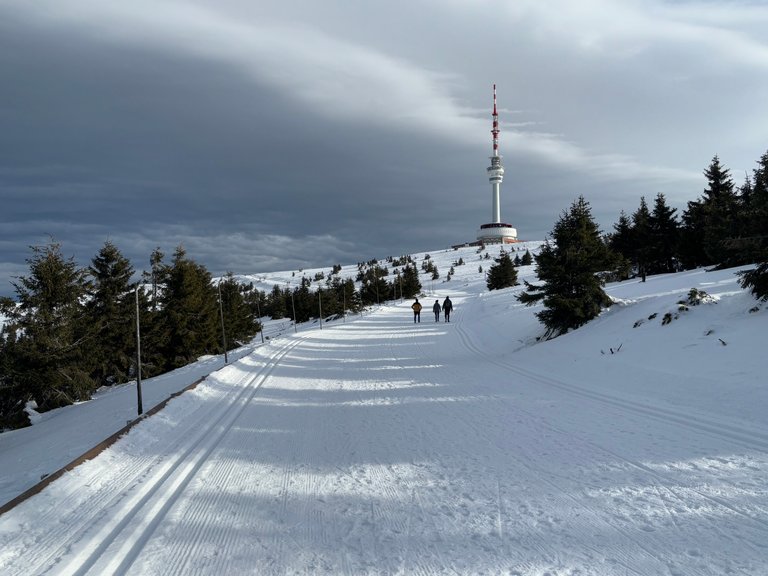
(384, 447)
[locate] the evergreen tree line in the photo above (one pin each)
(338, 296)
(724, 227)
(71, 330)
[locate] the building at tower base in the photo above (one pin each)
(497, 233)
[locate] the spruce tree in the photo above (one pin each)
(189, 315)
(662, 253)
(110, 310)
(621, 242)
(568, 266)
(12, 394)
(375, 289)
(154, 337)
(411, 285)
(240, 323)
(710, 224)
(720, 218)
(339, 300)
(302, 302)
(257, 304)
(641, 238)
(275, 304)
(156, 275)
(754, 221)
(352, 296)
(756, 280)
(49, 333)
(502, 274)
(691, 248)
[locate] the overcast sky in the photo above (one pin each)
(278, 135)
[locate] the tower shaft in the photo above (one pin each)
(495, 170)
(496, 230)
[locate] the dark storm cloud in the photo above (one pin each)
(303, 133)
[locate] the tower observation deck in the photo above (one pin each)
(496, 231)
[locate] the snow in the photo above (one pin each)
(380, 446)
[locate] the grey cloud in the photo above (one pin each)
(308, 133)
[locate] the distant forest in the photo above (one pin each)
(72, 329)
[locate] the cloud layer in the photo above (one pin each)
(282, 136)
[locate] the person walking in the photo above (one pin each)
(416, 306)
(436, 310)
(447, 308)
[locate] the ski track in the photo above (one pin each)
(527, 472)
(104, 532)
(357, 450)
(682, 496)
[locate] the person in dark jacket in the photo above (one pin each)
(436, 310)
(447, 308)
(416, 306)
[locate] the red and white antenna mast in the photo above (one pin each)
(496, 230)
(495, 170)
(495, 131)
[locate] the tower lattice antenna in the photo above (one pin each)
(495, 130)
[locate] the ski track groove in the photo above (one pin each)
(537, 476)
(179, 555)
(91, 508)
(713, 522)
(659, 414)
(149, 485)
(197, 512)
(453, 513)
(735, 435)
(204, 448)
(426, 561)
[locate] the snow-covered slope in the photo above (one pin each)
(378, 446)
